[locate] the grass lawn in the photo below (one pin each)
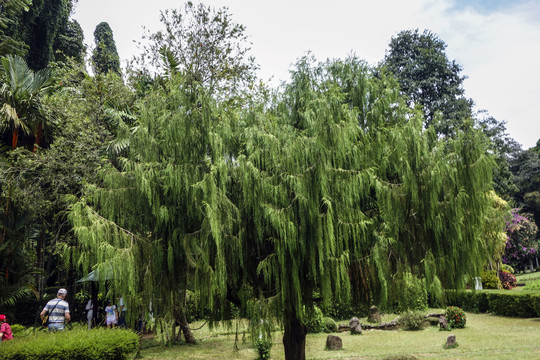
(531, 281)
(484, 337)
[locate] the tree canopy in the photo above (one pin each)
(105, 57)
(428, 78)
(319, 189)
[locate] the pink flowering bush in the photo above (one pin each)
(521, 244)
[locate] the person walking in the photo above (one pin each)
(112, 315)
(89, 313)
(121, 312)
(58, 311)
(5, 329)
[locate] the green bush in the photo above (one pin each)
(505, 303)
(263, 347)
(412, 294)
(490, 280)
(411, 320)
(17, 330)
(314, 320)
(330, 325)
(340, 310)
(507, 268)
(456, 317)
(102, 344)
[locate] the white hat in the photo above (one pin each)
(62, 291)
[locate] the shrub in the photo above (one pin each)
(411, 320)
(490, 280)
(341, 310)
(78, 344)
(330, 325)
(508, 280)
(18, 330)
(456, 317)
(412, 293)
(507, 268)
(514, 304)
(314, 320)
(263, 347)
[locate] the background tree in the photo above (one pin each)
(504, 150)
(10, 12)
(39, 27)
(526, 170)
(428, 78)
(521, 251)
(105, 57)
(69, 42)
(206, 44)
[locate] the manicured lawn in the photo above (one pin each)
(485, 337)
(531, 281)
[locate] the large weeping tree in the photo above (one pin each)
(159, 223)
(339, 179)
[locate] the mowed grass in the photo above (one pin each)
(484, 337)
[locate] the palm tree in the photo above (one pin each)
(21, 92)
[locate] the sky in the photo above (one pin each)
(497, 42)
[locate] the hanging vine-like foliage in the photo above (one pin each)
(334, 179)
(340, 180)
(160, 223)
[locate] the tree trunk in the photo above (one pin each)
(294, 338)
(15, 138)
(184, 326)
(38, 136)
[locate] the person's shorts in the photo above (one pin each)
(56, 326)
(111, 321)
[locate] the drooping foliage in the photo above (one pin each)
(428, 78)
(105, 57)
(340, 182)
(336, 189)
(162, 219)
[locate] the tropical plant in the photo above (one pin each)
(21, 95)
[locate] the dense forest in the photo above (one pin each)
(183, 181)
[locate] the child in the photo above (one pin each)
(112, 314)
(5, 329)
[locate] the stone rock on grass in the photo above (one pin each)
(374, 315)
(333, 342)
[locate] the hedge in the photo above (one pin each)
(79, 344)
(503, 302)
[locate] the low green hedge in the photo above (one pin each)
(95, 344)
(504, 302)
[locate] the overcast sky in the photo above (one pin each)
(496, 41)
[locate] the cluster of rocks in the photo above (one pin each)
(355, 327)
